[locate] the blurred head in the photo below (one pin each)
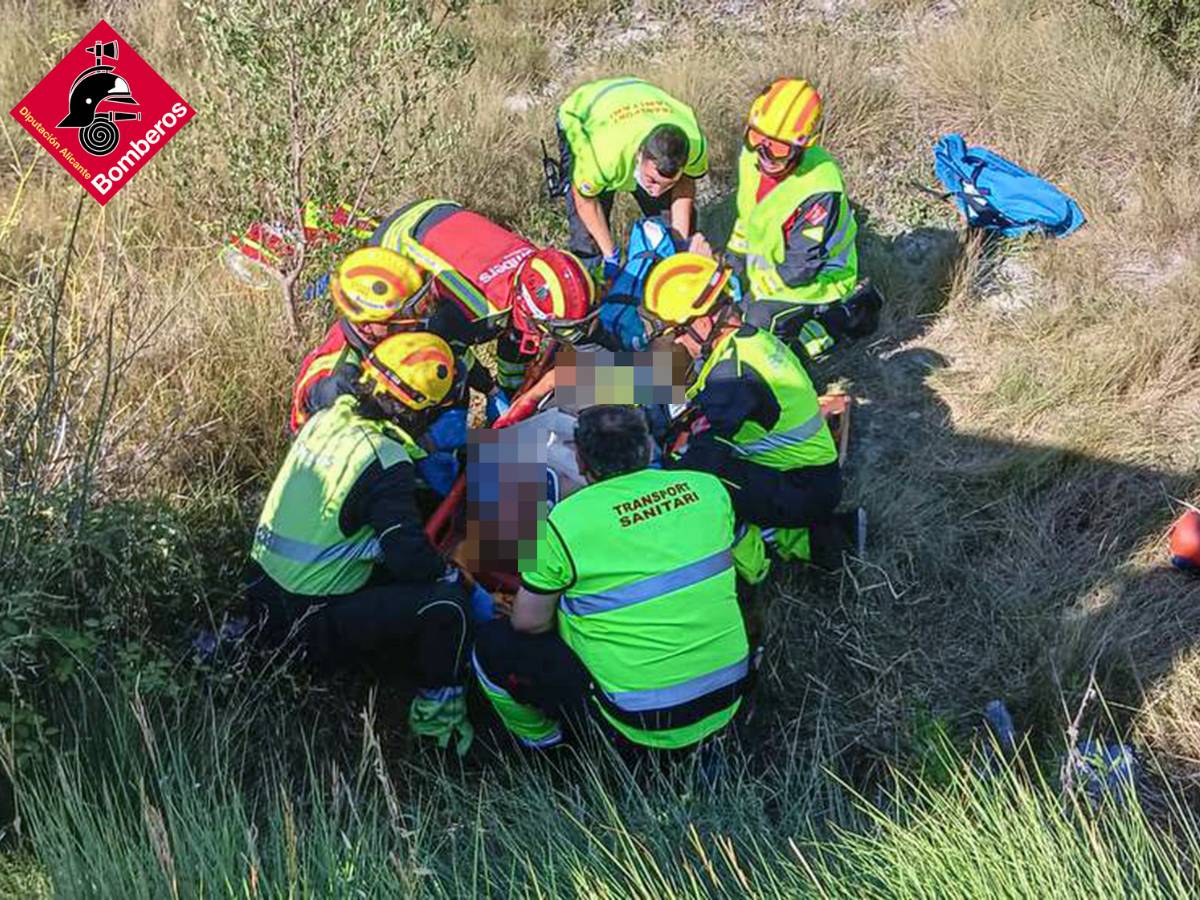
(683, 294)
(375, 290)
(408, 373)
(661, 159)
(783, 121)
(611, 441)
(554, 298)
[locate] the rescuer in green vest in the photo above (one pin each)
(754, 418)
(794, 239)
(624, 135)
(340, 559)
(630, 617)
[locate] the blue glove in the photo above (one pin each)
(736, 290)
(498, 404)
(612, 265)
(622, 322)
(439, 470)
(483, 607)
(449, 430)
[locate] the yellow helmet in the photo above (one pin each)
(684, 287)
(788, 110)
(416, 368)
(374, 284)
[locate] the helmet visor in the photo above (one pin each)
(770, 148)
(566, 331)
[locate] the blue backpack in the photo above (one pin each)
(999, 195)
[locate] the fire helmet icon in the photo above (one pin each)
(96, 85)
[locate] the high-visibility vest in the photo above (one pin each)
(605, 122)
(472, 259)
(299, 541)
(653, 610)
(800, 437)
(759, 235)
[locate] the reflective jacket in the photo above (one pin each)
(471, 258)
(760, 233)
(337, 349)
(299, 540)
(644, 562)
(800, 436)
(605, 122)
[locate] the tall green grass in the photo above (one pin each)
(237, 798)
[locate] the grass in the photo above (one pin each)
(1030, 419)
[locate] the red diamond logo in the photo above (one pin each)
(102, 112)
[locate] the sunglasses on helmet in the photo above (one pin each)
(770, 148)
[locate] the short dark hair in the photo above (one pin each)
(667, 147)
(612, 440)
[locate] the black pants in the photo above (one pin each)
(769, 497)
(536, 669)
(386, 628)
(582, 244)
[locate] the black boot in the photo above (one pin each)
(842, 533)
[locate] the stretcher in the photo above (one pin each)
(446, 527)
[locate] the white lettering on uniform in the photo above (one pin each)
(510, 262)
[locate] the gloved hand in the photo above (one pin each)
(439, 470)
(441, 714)
(449, 430)
(623, 324)
(483, 607)
(612, 265)
(498, 403)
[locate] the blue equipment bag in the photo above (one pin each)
(999, 195)
(649, 241)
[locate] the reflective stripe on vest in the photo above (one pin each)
(759, 230)
(800, 436)
(299, 540)
(648, 588)
(678, 694)
(659, 536)
(790, 438)
(307, 552)
(396, 233)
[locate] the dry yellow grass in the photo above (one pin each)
(1024, 425)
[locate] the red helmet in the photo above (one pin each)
(554, 298)
(1185, 541)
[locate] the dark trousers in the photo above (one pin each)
(769, 498)
(536, 669)
(386, 628)
(582, 244)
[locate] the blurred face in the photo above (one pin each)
(652, 181)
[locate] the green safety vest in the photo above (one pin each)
(398, 235)
(299, 541)
(653, 611)
(758, 233)
(801, 436)
(605, 123)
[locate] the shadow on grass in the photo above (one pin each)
(994, 569)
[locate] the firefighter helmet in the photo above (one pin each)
(554, 297)
(684, 287)
(783, 118)
(374, 284)
(415, 367)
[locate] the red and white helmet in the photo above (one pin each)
(554, 298)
